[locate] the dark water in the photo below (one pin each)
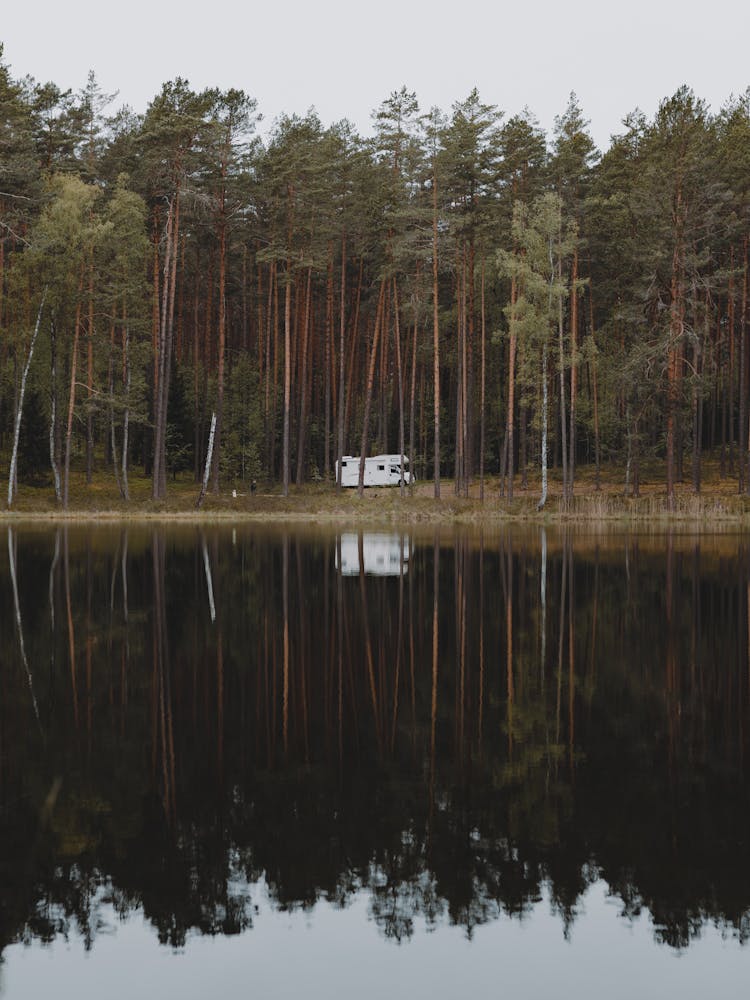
(510, 765)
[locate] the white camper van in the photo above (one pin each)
(380, 470)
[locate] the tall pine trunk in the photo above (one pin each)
(90, 377)
(435, 336)
(166, 326)
(342, 366)
(222, 331)
(573, 369)
(369, 388)
(53, 411)
(397, 329)
(72, 395)
(510, 418)
(285, 460)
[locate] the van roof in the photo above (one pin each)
(376, 458)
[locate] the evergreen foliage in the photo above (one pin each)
(305, 285)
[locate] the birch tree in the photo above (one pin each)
(544, 241)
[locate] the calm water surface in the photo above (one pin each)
(249, 763)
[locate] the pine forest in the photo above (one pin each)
(193, 293)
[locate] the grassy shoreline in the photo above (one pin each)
(719, 502)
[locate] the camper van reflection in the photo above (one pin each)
(382, 554)
(380, 470)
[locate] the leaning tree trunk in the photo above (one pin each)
(12, 485)
(207, 469)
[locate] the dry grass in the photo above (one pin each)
(719, 501)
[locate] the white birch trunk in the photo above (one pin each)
(17, 430)
(207, 469)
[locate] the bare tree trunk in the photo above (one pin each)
(465, 458)
(435, 335)
(12, 485)
(53, 411)
(90, 377)
(126, 412)
(267, 393)
(573, 369)
(673, 350)
(368, 391)
(287, 376)
(696, 463)
(511, 385)
(397, 329)
(482, 380)
(545, 393)
(276, 362)
(563, 415)
(111, 392)
(342, 367)
(412, 406)
(353, 348)
(460, 383)
(159, 357)
(304, 351)
(207, 469)
(220, 376)
(744, 452)
(159, 345)
(594, 367)
(72, 396)
(327, 365)
(159, 472)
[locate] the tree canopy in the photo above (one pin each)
(315, 289)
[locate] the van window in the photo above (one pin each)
(343, 465)
(381, 468)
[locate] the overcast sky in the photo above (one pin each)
(346, 58)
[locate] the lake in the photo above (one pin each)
(438, 763)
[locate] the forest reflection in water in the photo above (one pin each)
(475, 724)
